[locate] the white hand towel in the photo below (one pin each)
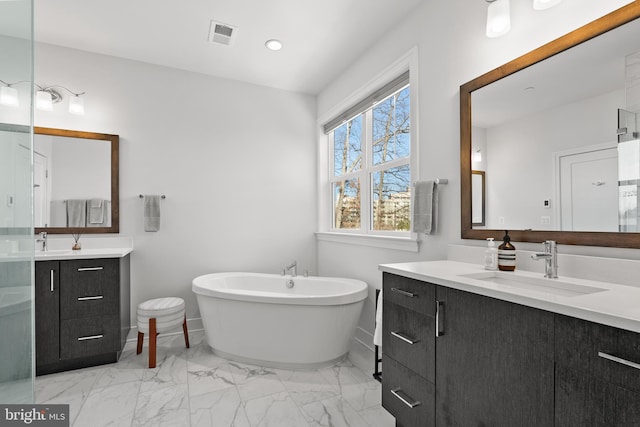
(151, 212)
(425, 207)
(377, 334)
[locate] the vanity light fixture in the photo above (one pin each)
(8, 96)
(544, 4)
(47, 96)
(498, 18)
(273, 44)
(477, 156)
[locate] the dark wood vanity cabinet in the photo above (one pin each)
(82, 312)
(597, 374)
(490, 363)
(408, 342)
(494, 363)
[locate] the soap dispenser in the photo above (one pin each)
(506, 254)
(491, 255)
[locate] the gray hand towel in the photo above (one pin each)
(151, 212)
(95, 211)
(425, 207)
(76, 213)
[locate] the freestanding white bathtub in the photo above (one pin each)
(257, 318)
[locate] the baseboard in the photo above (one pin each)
(364, 337)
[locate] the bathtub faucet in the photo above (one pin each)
(292, 267)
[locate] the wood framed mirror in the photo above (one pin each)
(76, 182)
(546, 225)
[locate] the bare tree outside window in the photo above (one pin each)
(387, 137)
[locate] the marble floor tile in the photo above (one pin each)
(306, 386)
(218, 408)
(275, 410)
(196, 388)
(109, 406)
(168, 406)
(334, 412)
(255, 381)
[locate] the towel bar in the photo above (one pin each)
(162, 197)
(438, 181)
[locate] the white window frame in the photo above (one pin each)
(401, 240)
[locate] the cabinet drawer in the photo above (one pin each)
(89, 288)
(413, 294)
(599, 350)
(89, 336)
(409, 338)
(407, 396)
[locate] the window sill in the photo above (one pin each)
(407, 244)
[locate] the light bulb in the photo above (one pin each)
(9, 96)
(498, 18)
(44, 101)
(76, 105)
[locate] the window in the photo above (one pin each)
(370, 163)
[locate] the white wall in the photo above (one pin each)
(452, 48)
(520, 158)
(236, 162)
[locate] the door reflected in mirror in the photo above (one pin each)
(563, 164)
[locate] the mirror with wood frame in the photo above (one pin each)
(494, 89)
(76, 182)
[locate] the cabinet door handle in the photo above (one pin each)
(439, 322)
(405, 398)
(51, 280)
(403, 292)
(619, 360)
(90, 337)
(90, 298)
(404, 337)
(90, 268)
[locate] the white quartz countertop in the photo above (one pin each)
(82, 254)
(613, 304)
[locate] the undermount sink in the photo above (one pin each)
(536, 284)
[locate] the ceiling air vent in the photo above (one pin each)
(221, 33)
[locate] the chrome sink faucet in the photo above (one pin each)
(550, 257)
(43, 239)
(293, 267)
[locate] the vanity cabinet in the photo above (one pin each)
(597, 374)
(82, 312)
(494, 363)
(453, 358)
(408, 342)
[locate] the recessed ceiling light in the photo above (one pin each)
(273, 44)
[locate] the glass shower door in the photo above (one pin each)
(16, 205)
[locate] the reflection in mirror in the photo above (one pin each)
(563, 165)
(75, 181)
(478, 197)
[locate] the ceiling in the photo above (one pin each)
(590, 69)
(321, 38)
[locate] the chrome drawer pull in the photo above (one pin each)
(405, 293)
(405, 398)
(51, 280)
(439, 312)
(90, 298)
(90, 337)
(90, 268)
(619, 360)
(404, 338)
